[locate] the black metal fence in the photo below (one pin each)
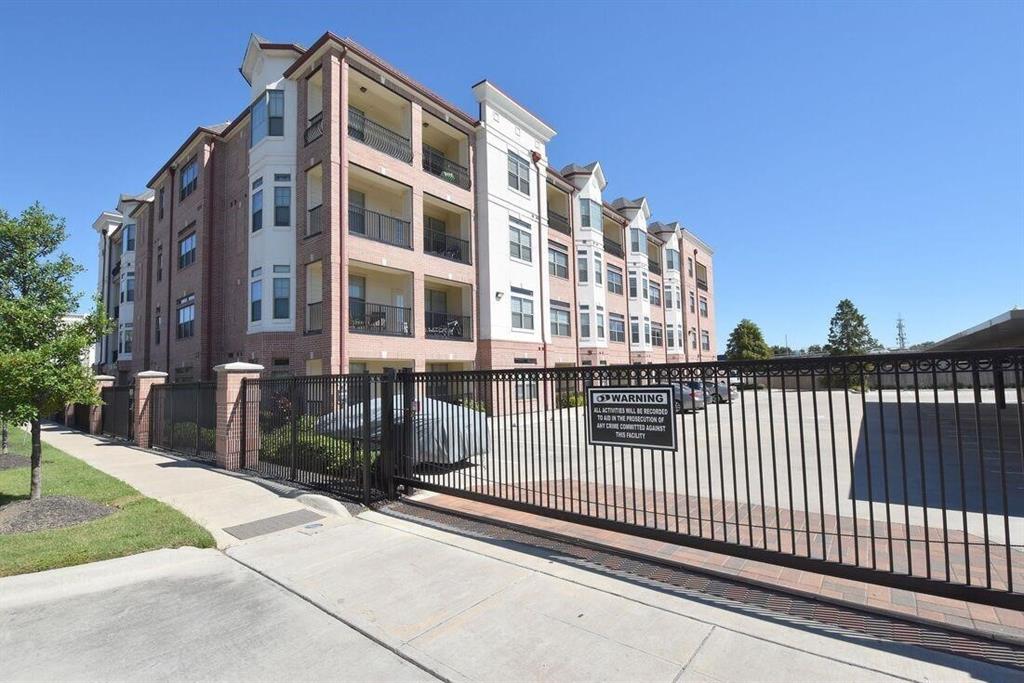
(118, 411)
(861, 467)
(81, 417)
(332, 433)
(183, 418)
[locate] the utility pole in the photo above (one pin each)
(901, 333)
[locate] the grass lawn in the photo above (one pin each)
(138, 525)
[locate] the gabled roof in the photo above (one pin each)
(258, 44)
(214, 130)
(639, 204)
(593, 168)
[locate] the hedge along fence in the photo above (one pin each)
(184, 418)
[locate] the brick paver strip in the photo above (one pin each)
(997, 623)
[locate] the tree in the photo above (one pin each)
(848, 333)
(781, 350)
(816, 349)
(41, 367)
(747, 343)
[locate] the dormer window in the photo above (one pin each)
(267, 116)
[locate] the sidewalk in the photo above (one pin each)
(461, 608)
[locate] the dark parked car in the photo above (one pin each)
(715, 392)
(687, 397)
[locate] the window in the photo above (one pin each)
(267, 116)
(582, 266)
(518, 173)
(635, 240)
(280, 367)
(526, 389)
(632, 284)
(560, 325)
(282, 206)
(519, 241)
(522, 313)
(655, 334)
(672, 259)
(693, 299)
(159, 264)
(127, 334)
(186, 251)
(634, 330)
(703, 307)
(644, 290)
(186, 316)
(558, 261)
(282, 293)
(256, 296)
(689, 266)
(160, 204)
(614, 280)
(705, 341)
(647, 330)
(655, 294)
(188, 179)
(600, 325)
(585, 324)
(156, 330)
(616, 328)
(590, 213)
(128, 243)
(693, 339)
(670, 337)
(598, 268)
(257, 210)
(129, 288)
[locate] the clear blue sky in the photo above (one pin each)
(826, 150)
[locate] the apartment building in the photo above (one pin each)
(349, 219)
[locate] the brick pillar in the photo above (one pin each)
(144, 383)
(96, 412)
(229, 414)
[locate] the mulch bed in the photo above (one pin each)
(50, 512)
(12, 461)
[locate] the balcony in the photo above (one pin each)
(313, 224)
(446, 246)
(435, 163)
(448, 326)
(370, 318)
(654, 266)
(315, 317)
(315, 129)
(559, 222)
(379, 137)
(612, 247)
(379, 227)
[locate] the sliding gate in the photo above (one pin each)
(118, 416)
(903, 470)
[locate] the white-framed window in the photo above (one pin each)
(256, 295)
(655, 294)
(558, 261)
(188, 179)
(614, 280)
(584, 323)
(600, 325)
(647, 330)
(282, 292)
(598, 269)
(526, 389)
(632, 284)
(672, 259)
(590, 213)
(126, 338)
(520, 242)
(636, 240)
(128, 242)
(582, 265)
(257, 205)
(693, 304)
(616, 328)
(518, 173)
(670, 337)
(522, 312)
(693, 339)
(705, 341)
(267, 116)
(561, 325)
(657, 334)
(282, 205)
(186, 316)
(703, 307)
(634, 330)
(646, 286)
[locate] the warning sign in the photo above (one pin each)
(641, 417)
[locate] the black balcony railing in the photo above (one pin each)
(612, 247)
(315, 317)
(315, 129)
(379, 227)
(559, 222)
(370, 318)
(702, 284)
(438, 164)
(440, 244)
(448, 326)
(654, 266)
(313, 224)
(377, 136)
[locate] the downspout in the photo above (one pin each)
(700, 344)
(206, 340)
(105, 279)
(170, 274)
(575, 281)
(629, 318)
(540, 261)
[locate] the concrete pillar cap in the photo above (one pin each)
(104, 378)
(238, 367)
(149, 374)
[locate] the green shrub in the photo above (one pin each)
(183, 435)
(314, 452)
(473, 404)
(572, 400)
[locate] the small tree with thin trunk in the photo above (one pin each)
(747, 343)
(848, 333)
(41, 367)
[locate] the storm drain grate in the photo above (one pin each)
(269, 525)
(765, 603)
